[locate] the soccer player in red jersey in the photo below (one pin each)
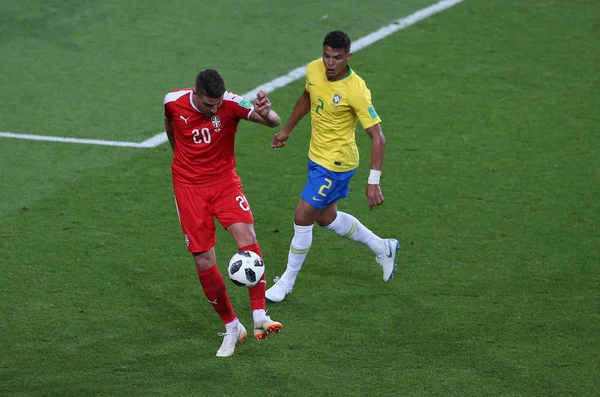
(201, 124)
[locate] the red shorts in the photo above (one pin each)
(198, 207)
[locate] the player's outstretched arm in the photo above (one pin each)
(301, 108)
(374, 194)
(263, 113)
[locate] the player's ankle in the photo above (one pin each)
(289, 277)
(232, 325)
(382, 246)
(259, 315)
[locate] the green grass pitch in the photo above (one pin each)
(491, 182)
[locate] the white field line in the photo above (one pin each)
(69, 140)
(272, 85)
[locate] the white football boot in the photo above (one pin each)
(230, 339)
(388, 260)
(278, 291)
(266, 327)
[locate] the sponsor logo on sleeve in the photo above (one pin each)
(372, 112)
(245, 104)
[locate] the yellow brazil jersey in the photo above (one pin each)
(336, 106)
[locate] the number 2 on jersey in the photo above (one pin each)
(320, 106)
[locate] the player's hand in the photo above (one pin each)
(279, 140)
(262, 105)
(374, 195)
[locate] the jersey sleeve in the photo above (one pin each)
(361, 102)
(306, 79)
(242, 108)
(310, 71)
(172, 97)
(166, 111)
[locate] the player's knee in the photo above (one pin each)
(303, 220)
(203, 264)
(243, 234)
(205, 260)
(305, 214)
(325, 221)
(326, 217)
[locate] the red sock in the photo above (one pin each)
(257, 293)
(216, 291)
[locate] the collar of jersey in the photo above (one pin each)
(346, 76)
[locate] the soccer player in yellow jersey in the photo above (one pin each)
(337, 98)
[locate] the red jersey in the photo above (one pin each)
(204, 146)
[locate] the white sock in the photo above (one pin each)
(298, 251)
(348, 226)
(258, 315)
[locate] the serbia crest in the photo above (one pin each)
(216, 122)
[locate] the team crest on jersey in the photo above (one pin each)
(216, 122)
(336, 98)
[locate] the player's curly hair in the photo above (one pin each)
(337, 40)
(210, 82)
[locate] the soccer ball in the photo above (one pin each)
(246, 269)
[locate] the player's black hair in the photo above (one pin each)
(210, 82)
(337, 40)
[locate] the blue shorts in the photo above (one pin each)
(324, 186)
